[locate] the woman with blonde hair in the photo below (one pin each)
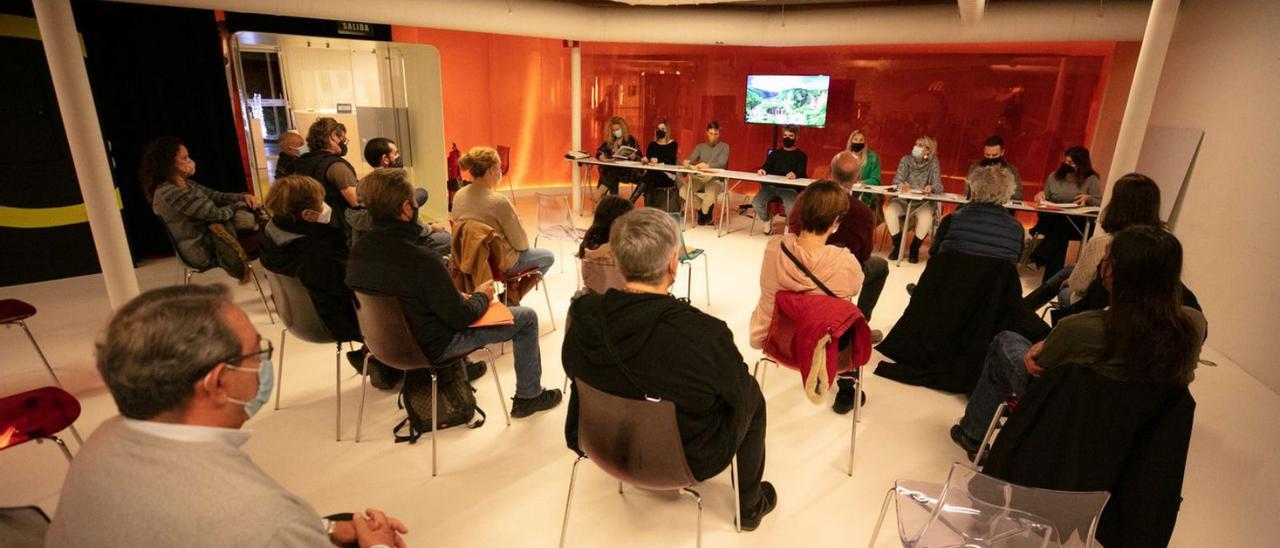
(917, 172)
(870, 175)
(478, 202)
(617, 134)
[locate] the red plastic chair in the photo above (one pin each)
(38, 415)
(15, 312)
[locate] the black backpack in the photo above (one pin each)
(457, 401)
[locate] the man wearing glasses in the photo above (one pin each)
(325, 162)
(187, 369)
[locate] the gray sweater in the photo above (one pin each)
(716, 156)
(187, 212)
(918, 175)
(194, 488)
(1061, 191)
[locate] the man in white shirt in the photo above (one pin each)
(187, 369)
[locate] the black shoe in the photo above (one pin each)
(965, 442)
(523, 407)
(913, 256)
(876, 336)
(897, 246)
(704, 219)
(356, 359)
(383, 376)
(476, 370)
(768, 501)
(844, 397)
(911, 289)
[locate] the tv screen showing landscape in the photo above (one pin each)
(799, 100)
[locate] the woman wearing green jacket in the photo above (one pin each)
(870, 176)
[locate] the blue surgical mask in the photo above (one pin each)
(266, 382)
(917, 152)
(617, 134)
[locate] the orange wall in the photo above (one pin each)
(504, 90)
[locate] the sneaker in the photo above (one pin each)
(768, 501)
(876, 336)
(844, 397)
(476, 370)
(965, 442)
(523, 407)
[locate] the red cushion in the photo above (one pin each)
(13, 310)
(34, 414)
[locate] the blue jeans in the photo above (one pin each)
(1003, 374)
(525, 335)
(767, 193)
(534, 256)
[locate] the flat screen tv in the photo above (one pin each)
(799, 100)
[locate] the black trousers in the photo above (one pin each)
(875, 272)
(750, 455)
(1058, 231)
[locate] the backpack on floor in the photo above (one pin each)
(457, 402)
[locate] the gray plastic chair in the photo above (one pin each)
(189, 269)
(976, 510)
(637, 441)
(300, 318)
(388, 338)
(555, 221)
(23, 526)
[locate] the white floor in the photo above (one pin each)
(506, 486)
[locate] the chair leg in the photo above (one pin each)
(573, 478)
(63, 446)
(706, 271)
(857, 412)
(76, 433)
(364, 383)
(270, 315)
(435, 408)
(884, 508)
(280, 375)
(41, 353)
(697, 497)
(493, 371)
(337, 363)
(688, 286)
(187, 272)
(986, 439)
(547, 295)
(737, 504)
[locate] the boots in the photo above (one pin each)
(897, 246)
(914, 256)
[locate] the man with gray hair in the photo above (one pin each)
(983, 226)
(641, 340)
(187, 369)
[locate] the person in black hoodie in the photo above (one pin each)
(392, 260)
(676, 352)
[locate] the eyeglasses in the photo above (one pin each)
(265, 350)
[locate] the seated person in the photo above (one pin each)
(389, 260)
(818, 210)
(704, 188)
(186, 370)
(1146, 335)
(291, 143)
(653, 184)
(1074, 181)
(982, 227)
(599, 269)
(789, 162)
(993, 155)
(301, 243)
(854, 232)
(1134, 201)
(209, 228)
(617, 135)
(382, 152)
(478, 202)
(671, 349)
(919, 171)
(325, 162)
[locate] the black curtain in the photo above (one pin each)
(159, 71)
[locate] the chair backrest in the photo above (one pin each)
(293, 303)
(633, 440)
(36, 414)
(23, 526)
(975, 509)
(504, 158)
(554, 217)
(679, 217)
(386, 332)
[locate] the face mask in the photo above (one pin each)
(991, 162)
(617, 134)
(857, 147)
(342, 148)
(788, 142)
(326, 214)
(1066, 168)
(917, 151)
(266, 382)
(303, 150)
(397, 163)
(661, 134)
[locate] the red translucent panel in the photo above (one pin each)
(34, 414)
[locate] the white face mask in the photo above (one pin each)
(617, 134)
(918, 152)
(326, 214)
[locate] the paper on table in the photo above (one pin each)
(498, 314)
(1067, 205)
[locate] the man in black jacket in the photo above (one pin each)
(788, 161)
(673, 351)
(389, 260)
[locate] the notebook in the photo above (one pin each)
(498, 314)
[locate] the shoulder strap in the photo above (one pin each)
(806, 270)
(626, 371)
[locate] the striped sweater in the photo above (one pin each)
(187, 212)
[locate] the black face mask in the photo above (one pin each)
(788, 142)
(857, 147)
(1064, 170)
(396, 163)
(342, 148)
(661, 134)
(991, 162)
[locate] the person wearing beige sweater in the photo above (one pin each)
(478, 202)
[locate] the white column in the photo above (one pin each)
(1142, 94)
(575, 116)
(80, 118)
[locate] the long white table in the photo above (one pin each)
(913, 199)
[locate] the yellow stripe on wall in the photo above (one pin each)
(14, 26)
(47, 217)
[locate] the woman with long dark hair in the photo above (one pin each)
(1146, 334)
(599, 269)
(1135, 201)
(1074, 182)
(209, 228)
